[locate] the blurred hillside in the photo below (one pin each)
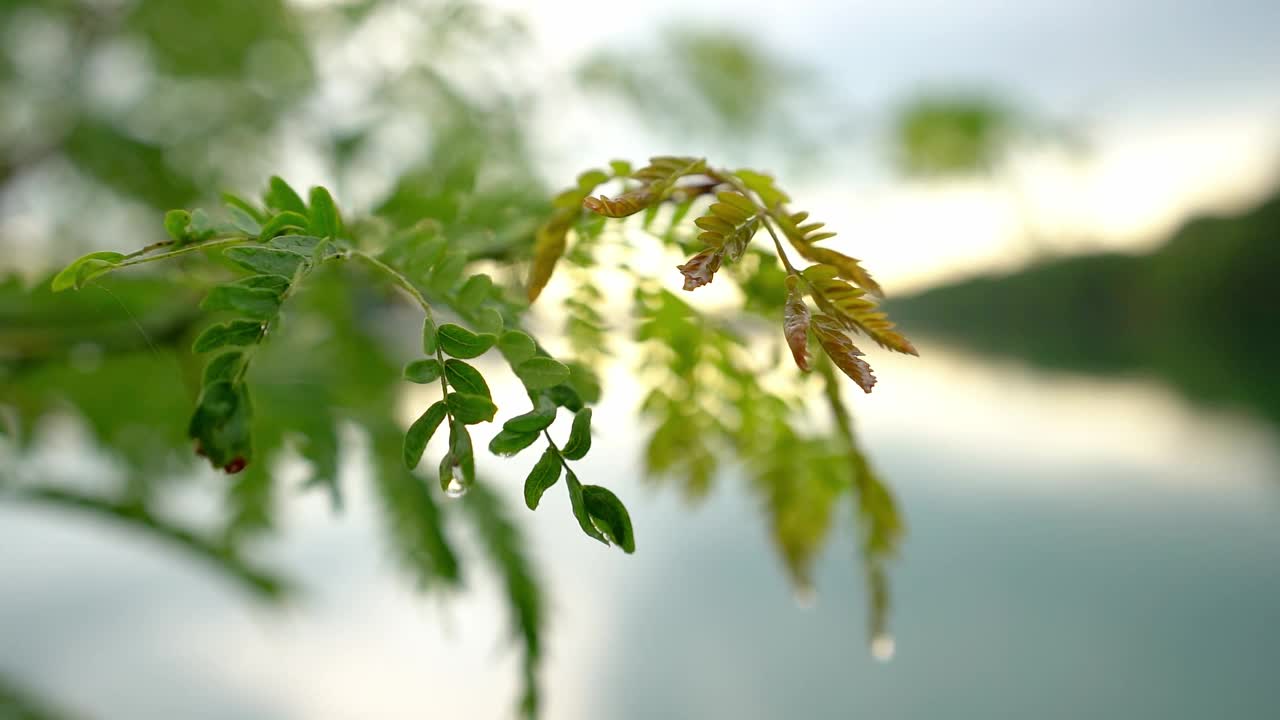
(1200, 312)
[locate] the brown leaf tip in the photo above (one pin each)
(795, 325)
(701, 268)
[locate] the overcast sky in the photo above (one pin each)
(1179, 100)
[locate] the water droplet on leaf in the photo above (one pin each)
(883, 647)
(455, 489)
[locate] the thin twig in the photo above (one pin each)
(148, 248)
(183, 251)
(408, 286)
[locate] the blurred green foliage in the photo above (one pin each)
(720, 87)
(939, 135)
(19, 704)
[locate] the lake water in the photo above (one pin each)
(1078, 547)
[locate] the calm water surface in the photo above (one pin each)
(1078, 548)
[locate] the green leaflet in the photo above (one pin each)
(223, 367)
(448, 271)
(256, 303)
(420, 432)
(584, 382)
(279, 196)
(220, 425)
(579, 505)
(510, 442)
(579, 436)
(465, 379)
(243, 221)
(202, 226)
(304, 245)
(275, 283)
(762, 185)
(536, 420)
(588, 180)
(232, 200)
(430, 343)
(544, 474)
(268, 261)
(236, 332)
(610, 516)
(488, 320)
(423, 371)
(460, 342)
(175, 225)
(85, 269)
(566, 397)
(474, 291)
(460, 450)
(281, 222)
(471, 409)
(539, 373)
(516, 347)
(446, 475)
(325, 221)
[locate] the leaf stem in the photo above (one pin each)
(148, 248)
(764, 214)
(398, 278)
(407, 285)
(552, 444)
(303, 269)
(782, 254)
(238, 239)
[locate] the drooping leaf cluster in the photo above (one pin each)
(270, 252)
(744, 201)
(708, 403)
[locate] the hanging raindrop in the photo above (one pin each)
(883, 647)
(455, 489)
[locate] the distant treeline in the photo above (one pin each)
(1202, 311)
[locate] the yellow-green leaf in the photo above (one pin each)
(84, 269)
(552, 239)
